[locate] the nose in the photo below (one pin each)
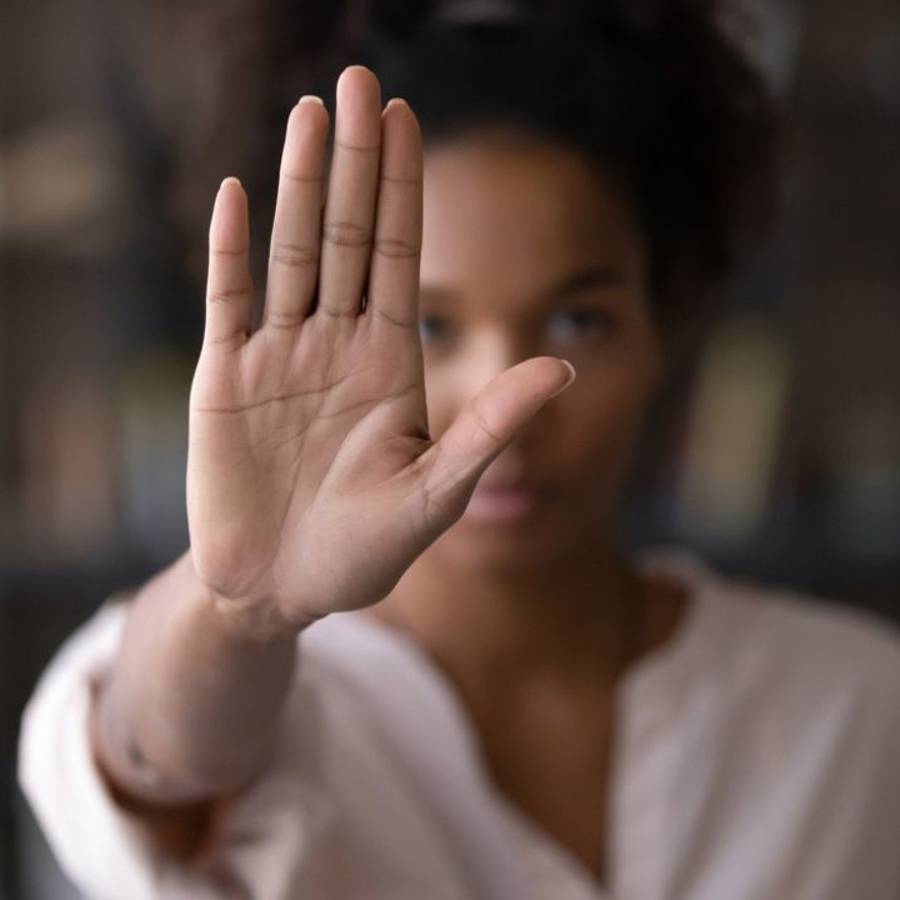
(486, 352)
(490, 353)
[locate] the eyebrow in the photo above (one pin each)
(581, 280)
(593, 276)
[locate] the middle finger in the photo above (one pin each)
(352, 189)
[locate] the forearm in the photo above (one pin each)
(191, 707)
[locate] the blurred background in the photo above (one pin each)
(777, 457)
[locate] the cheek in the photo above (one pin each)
(445, 394)
(599, 418)
(611, 394)
(586, 432)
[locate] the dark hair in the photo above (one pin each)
(655, 91)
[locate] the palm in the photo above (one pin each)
(312, 480)
(297, 448)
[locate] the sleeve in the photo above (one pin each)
(260, 841)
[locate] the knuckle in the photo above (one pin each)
(360, 149)
(284, 319)
(294, 256)
(220, 296)
(347, 234)
(228, 253)
(236, 339)
(395, 248)
(299, 178)
(443, 494)
(481, 422)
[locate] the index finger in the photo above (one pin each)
(296, 231)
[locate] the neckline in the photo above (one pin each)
(682, 565)
(694, 575)
(638, 685)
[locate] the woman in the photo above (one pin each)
(403, 656)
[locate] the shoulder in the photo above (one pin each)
(824, 639)
(814, 660)
(791, 645)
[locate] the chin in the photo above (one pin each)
(521, 544)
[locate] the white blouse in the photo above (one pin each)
(756, 757)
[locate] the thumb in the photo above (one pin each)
(487, 423)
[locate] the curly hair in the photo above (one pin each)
(652, 90)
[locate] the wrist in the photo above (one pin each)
(249, 621)
(243, 620)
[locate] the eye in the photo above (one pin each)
(582, 322)
(433, 328)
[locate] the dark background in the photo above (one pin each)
(778, 459)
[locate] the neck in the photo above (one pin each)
(576, 619)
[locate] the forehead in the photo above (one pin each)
(509, 211)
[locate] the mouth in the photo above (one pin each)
(504, 503)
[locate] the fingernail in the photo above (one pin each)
(394, 101)
(311, 98)
(569, 380)
(230, 178)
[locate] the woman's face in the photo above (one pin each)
(528, 252)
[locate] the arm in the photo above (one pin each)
(306, 436)
(191, 707)
(190, 710)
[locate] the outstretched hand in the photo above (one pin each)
(312, 479)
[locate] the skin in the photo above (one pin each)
(526, 250)
(333, 418)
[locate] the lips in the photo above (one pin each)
(507, 501)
